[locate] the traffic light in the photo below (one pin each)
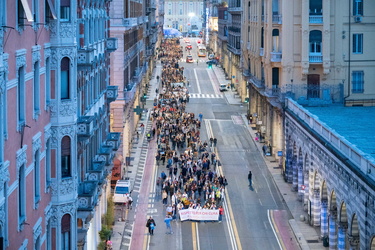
(246, 99)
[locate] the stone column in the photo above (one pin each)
(353, 241)
(341, 244)
(295, 174)
(316, 208)
(324, 218)
(332, 229)
(288, 167)
(300, 180)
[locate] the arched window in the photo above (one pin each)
(64, 79)
(65, 157)
(65, 232)
(315, 41)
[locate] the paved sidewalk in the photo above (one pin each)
(307, 236)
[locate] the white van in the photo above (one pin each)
(223, 87)
(122, 191)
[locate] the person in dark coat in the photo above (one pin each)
(151, 225)
(250, 177)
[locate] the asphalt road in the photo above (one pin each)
(249, 221)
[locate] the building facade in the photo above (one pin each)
(138, 25)
(334, 180)
(55, 118)
(185, 16)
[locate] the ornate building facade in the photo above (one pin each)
(55, 118)
(138, 25)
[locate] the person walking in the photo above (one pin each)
(221, 213)
(200, 117)
(250, 177)
(167, 221)
(215, 142)
(151, 225)
(130, 201)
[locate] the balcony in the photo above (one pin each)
(261, 52)
(234, 50)
(97, 173)
(276, 56)
(276, 19)
(113, 140)
(105, 154)
(315, 19)
(85, 57)
(259, 84)
(130, 22)
(235, 10)
(130, 91)
(112, 93)
(315, 58)
(149, 52)
(85, 126)
(87, 195)
(272, 92)
(148, 10)
(111, 44)
(140, 20)
(145, 19)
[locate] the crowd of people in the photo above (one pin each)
(189, 179)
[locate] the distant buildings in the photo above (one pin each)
(56, 150)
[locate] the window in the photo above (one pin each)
(36, 89)
(358, 43)
(23, 12)
(49, 11)
(275, 40)
(315, 40)
(357, 7)
(65, 78)
(3, 9)
(21, 195)
(65, 157)
(48, 81)
(65, 232)
(36, 11)
(316, 7)
(48, 163)
(21, 96)
(65, 10)
(357, 81)
(36, 176)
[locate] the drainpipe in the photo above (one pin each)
(349, 57)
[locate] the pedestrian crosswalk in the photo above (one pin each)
(196, 95)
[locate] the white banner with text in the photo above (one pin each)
(199, 214)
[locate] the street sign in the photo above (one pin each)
(138, 110)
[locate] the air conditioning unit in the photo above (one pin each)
(357, 19)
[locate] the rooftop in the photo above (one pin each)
(355, 124)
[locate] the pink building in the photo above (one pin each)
(25, 159)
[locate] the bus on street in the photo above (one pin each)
(201, 51)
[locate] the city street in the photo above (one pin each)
(254, 217)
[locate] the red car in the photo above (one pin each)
(188, 47)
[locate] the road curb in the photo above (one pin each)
(299, 236)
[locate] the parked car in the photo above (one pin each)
(189, 59)
(213, 61)
(223, 87)
(211, 56)
(188, 47)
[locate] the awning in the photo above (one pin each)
(27, 10)
(52, 9)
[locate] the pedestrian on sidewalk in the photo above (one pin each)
(200, 117)
(142, 126)
(137, 136)
(151, 225)
(130, 201)
(215, 142)
(250, 177)
(167, 221)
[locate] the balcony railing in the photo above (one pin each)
(111, 44)
(234, 50)
(85, 126)
(130, 22)
(276, 19)
(261, 51)
(315, 19)
(97, 172)
(113, 140)
(257, 82)
(87, 195)
(315, 58)
(272, 92)
(276, 56)
(130, 91)
(112, 93)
